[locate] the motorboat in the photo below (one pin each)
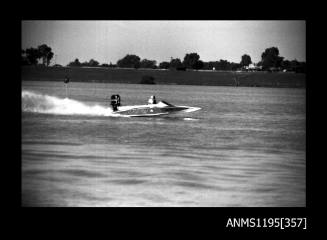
(157, 109)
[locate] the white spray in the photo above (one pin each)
(39, 103)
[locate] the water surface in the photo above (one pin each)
(245, 147)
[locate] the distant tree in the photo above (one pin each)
(191, 60)
(104, 65)
(215, 65)
(75, 63)
(298, 67)
(270, 58)
(85, 64)
(164, 65)
(246, 60)
(206, 66)
(182, 68)
(45, 52)
(93, 63)
(224, 65)
(129, 61)
(209, 65)
(49, 57)
(221, 65)
(145, 63)
(198, 65)
(235, 66)
(286, 64)
(294, 63)
(32, 55)
(175, 63)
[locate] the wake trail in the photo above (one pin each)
(40, 103)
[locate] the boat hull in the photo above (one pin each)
(153, 110)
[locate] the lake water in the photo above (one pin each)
(244, 148)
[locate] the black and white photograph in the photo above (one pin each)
(163, 113)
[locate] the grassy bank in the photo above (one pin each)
(210, 78)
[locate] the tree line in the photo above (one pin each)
(31, 56)
(270, 61)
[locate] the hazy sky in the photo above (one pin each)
(109, 41)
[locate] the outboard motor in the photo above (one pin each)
(115, 102)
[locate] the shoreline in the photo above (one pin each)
(167, 77)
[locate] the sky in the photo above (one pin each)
(109, 41)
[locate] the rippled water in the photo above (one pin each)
(245, 147)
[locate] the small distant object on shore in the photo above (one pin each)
(66, 79)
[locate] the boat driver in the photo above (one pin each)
(152, 100)
(115, 102)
